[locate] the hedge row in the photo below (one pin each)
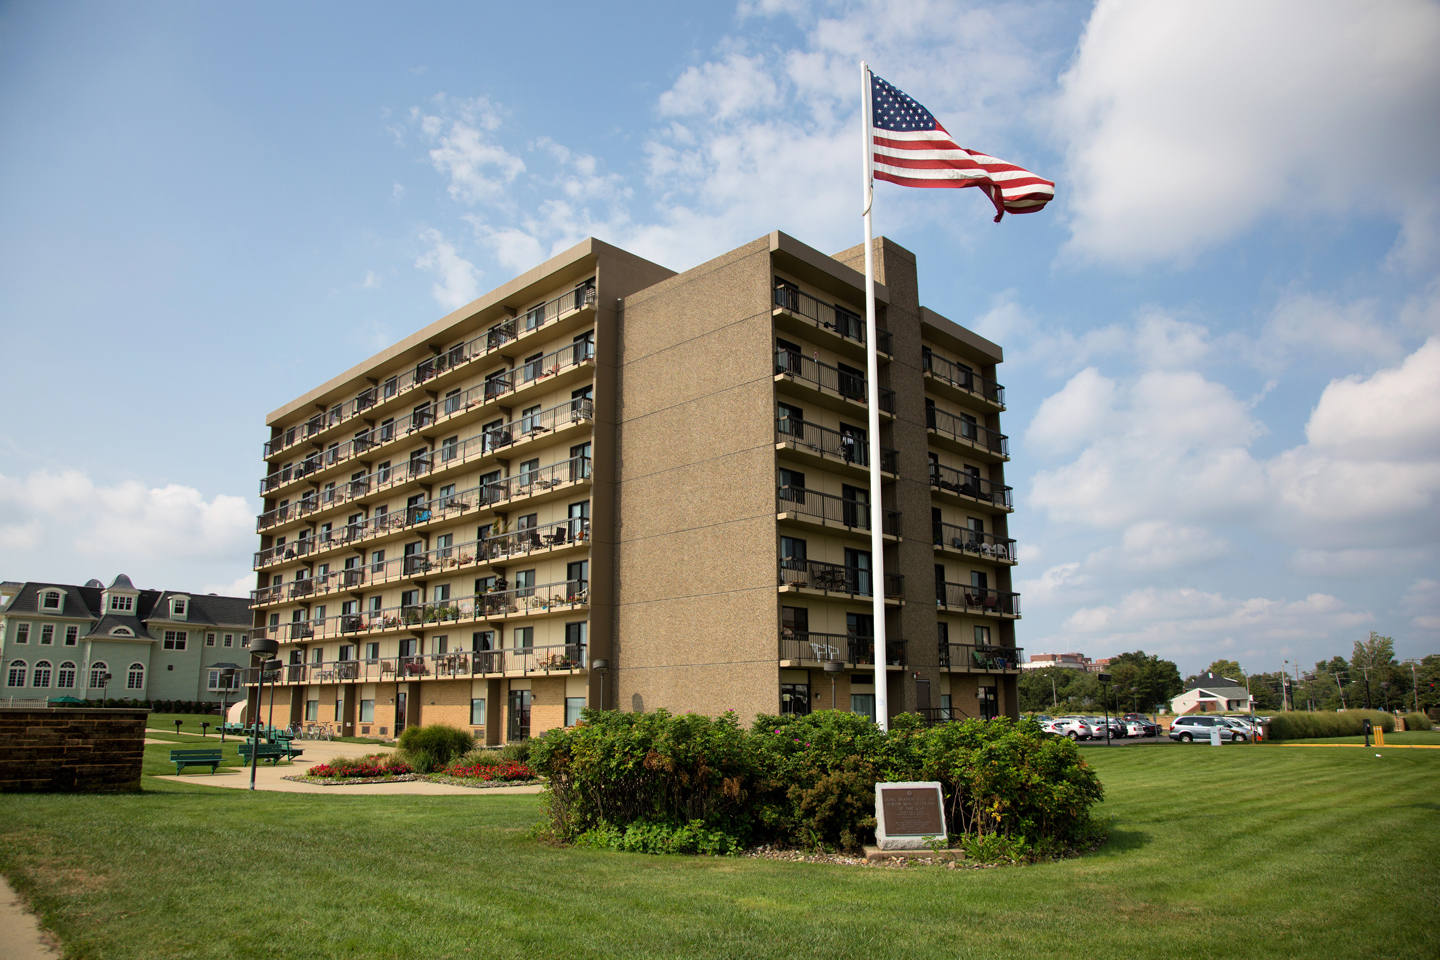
(662, 783)
(1418, 721)
(1298, 725)
(158, 706)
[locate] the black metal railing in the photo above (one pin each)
(953, 537)
(831, 443)
(551, 658)
(963, 596)
(971, 485)
(967, 429)
(830, 379)
(967, 656)
(833, 509)
(962, 378)
(832, 317)
(485, 343)
(837, 648)
(836, 578)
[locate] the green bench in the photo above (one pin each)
(194, 758)
(274, 752)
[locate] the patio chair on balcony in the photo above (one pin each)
(823, 651)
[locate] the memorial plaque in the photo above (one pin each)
(908, 815)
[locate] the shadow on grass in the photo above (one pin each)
(1124, 841)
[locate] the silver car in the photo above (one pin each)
(1187, 729)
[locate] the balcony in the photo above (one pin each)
(482, 345)
(971, 487)
(513, 662)
(828, 578)
(836, 648)
(970, 658)
(962, 597)
(814, 314)
(962, 382)
(966, 435)
(824, 444)
(950, 538)
(827, 383)
(827, 510)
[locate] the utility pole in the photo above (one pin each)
(1054, 697)
(1366, 669)
(1297, 678)
(1414, 685)
(1341, 688)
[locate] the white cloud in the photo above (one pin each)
(459, 280)
(721, 90)
(479, 168)
(1304, 321)
(1068, 420)
(62, 525)
(1187, 123)
(1422, 602)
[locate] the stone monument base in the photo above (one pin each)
(875, 854)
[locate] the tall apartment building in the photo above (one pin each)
(608, 484)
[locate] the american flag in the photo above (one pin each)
(913, 150)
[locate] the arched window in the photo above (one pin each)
(17, 673)
(97, 670)
(136, 680)
(65, 676)
(41, 676)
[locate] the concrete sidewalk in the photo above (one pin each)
(19, 931)
(268, 777)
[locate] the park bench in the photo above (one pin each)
(194, 758)
(274, 752)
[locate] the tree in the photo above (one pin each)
(1427, 677)
(1142, 681)
(1075, 690)
(1228, 669)
(1368, 663)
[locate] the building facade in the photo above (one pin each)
(94, 642)
(1067, 661)
(608, 484)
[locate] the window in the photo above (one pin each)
(122, 604)
(50, 600)
(452, 402)
(135, 680)
(178, 606)
(863, 703)
(389, 387)
(72, 635)
(792, 485)
(525, 583)
(320, 613)
(441, 593)
(945, 707)
(794, 699)
(339, 708)
(790, 420)
(47, 634)
(175, 639)
(98, 674)
(367, 711)
(229, 640)
(65, 676)
(532, 367)
(317, 655)
(528, 470)
(440, 644)
(573, 706)
(528, 420)
(22, 633)
(477, 712)
(347, 652)
(524, 638)
(312, 711)
(17, 674)
(794, 624)
(982, 636)
(443, 545)
(382, 475)
(372, 652)
(447, 496)
(482, 640)
(209, 639)
(377, 562)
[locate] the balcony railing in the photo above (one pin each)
(537, 599)
(962, 378)
(966, 656)
(491, 340)
(977, 599)
(971, 485)
(831, 443)
(553, 658)
(954, 537)
(524, 484)
(957, 428)
(833, 509)
(836, 578)
(497, 548)
(837, 648)
(830, 379)
(836, 319)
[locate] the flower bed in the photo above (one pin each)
(374, 766)
(508, 771)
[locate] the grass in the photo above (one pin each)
(1246, 853)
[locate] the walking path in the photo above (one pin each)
(19, 931)
(272, 777)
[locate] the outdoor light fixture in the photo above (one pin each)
(1104, 679)
(264, 648)
(228, 672)
(833, 667)
(600, 666)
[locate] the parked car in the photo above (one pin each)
(1073, 727)
(1117, 727)
(1055, 727)
(1186, 729)
(1140, 728)
(1242, 723)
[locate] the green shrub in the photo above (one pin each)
(439, 742)
(646, 836)
(517, 752)
(1298, 725)
(1418, 721)
(480, 757)
(805, 781)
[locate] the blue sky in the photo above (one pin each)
(1223, 337)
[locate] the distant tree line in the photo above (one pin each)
(1372, 678)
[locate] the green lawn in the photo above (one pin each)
(1255, 852)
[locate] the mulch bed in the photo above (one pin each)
(471, 782)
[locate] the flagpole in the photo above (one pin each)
(872, 375)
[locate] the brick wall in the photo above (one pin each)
(79, 750)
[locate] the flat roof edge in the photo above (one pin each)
(970, 338)
(781, 242)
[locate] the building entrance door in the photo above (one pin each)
(399, 713)
(519, 726)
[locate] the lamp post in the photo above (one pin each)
(264, 648)
(833, 667)
(1385, 692)
(1104, 679)
(600, 667)
(228, 672)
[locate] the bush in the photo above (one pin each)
(1418, 721)
(663, 783)
(372, 765)
(480, 756)
(505, 770)
(518, 752)
(1297, 725)
(439, 743)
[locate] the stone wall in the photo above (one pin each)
(85, 750)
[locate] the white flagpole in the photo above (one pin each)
(872, 373)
